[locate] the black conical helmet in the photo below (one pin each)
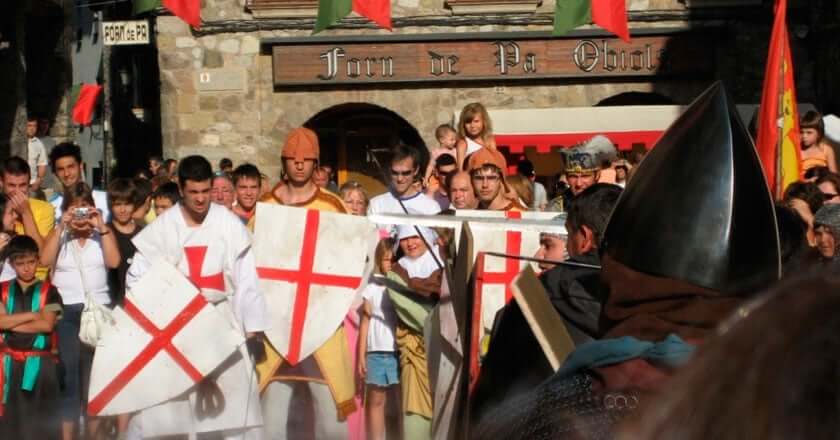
(698, 208)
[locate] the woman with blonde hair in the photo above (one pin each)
(520, 187)
(354, 197)
(475, 130)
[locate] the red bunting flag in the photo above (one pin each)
(187, 10)
(609, 14)
(331, 11)
(86, 104)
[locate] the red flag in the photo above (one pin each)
(187, 10)
(86, 104)
(777, 141)
(612, 16)
(378, 11)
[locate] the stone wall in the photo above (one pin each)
(249, 120)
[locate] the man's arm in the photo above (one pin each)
(139, 266)
(249, 304)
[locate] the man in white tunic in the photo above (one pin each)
(210, 245)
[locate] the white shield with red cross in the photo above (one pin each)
(494, 275)
(311, 266)
(167, 339)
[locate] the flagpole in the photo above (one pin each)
(781, 7)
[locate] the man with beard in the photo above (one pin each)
(583, 168)
(685, 248)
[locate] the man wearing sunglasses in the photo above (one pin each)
(403, 169)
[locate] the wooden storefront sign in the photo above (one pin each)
(484, 57)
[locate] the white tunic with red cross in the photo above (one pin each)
(216, 256)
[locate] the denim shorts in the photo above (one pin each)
(382, 368)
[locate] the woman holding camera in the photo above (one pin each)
(79, 251)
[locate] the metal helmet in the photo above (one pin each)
(698, 208)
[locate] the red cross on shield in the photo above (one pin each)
(167, 337)
(309, 274)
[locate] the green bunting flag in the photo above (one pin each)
(331, 12)
(609, 14)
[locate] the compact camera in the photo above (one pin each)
(81, 213)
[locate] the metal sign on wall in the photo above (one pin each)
(125, 32)
(484, 57)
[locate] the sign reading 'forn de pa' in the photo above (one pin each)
(118, 33)
(484, 57)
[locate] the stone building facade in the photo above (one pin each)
(219, 97)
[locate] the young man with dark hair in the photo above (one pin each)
(246, 185)
(143, 212)
(29, 309)
(35, 217)
(437, 187)
(36, 154)
(226, 165)
(487, 172)
(155, 163)
(166, 197)
(209, 242)
(401, 197)
(66, 163)
(122, 200)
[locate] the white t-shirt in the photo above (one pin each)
(540, 195)
(68, 279)
(36, 155)
(418, 204)
(383, 319)
(8, 272)
(100, 198)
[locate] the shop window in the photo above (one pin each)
(283, 8)
(463, 7)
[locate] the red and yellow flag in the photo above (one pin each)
(777, 141)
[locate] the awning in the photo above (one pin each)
(550, 129)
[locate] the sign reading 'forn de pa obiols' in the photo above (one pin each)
(484, 57)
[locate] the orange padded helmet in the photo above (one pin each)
(301, 144)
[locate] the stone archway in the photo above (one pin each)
(356, 139)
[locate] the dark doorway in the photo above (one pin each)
(135, 106)
(357, 139)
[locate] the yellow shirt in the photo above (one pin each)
(333, 359)
(44, 216)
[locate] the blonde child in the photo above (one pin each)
(447, 137)
(475, 130)
(815, 151)
(378, 360)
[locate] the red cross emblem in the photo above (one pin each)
(161, 341)
(195, 262)
(305, 277)
(513, 246)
